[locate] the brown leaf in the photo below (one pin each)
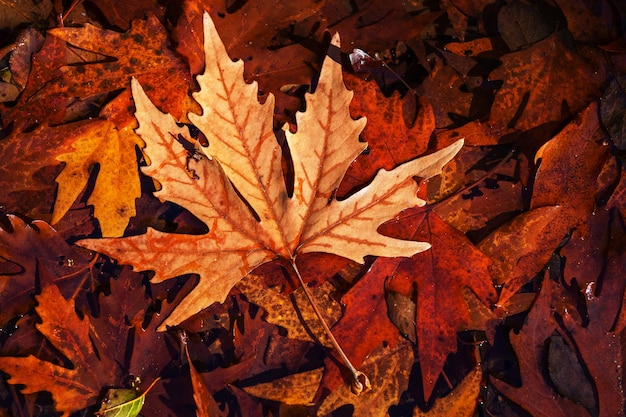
(543, 85)
(601, 342)
(121, 14)
(142, 52)
(293, 389)
(33, 108)
(534, 395)
(244, 154)
(388, 368)
(17, 13)
(563, 198)
(294, 312)
(31, 248)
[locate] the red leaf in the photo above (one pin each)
(438, 277)
(364, 325)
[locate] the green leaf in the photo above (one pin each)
(123, 402)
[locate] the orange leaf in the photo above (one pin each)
(236, 185)
(72, 389)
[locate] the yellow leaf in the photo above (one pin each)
(117, 185)
(237, 187)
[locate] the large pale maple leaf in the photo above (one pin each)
(236, 185)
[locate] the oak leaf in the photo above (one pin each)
(117, 185)
(29, 250)
(72, 389)
(534, 395)
(237, 187)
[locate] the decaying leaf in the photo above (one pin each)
(461, 402)
(282, 311)
(388, 368)
(293, 389)
(243, 155)
(534, 395)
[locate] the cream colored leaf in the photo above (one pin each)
(236, 184)
(240, 134)
(352, 224)
(323, 147)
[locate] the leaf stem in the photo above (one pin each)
(360, 381)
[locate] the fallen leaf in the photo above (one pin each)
(16, 13)
(390, 139)
(436, 279)
(543, 85)
(143, 52)
(298, 388)
(388, 368)
(534, 395)
(461, 402)
(364, 321)
(600, 339)
(244, 153)
(290, 312)
(564, 196)
(72, 388)
(205, 404)
(117, 185)
(125, 402)
(31, 248)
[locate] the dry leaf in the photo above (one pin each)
(293, 389)
(72, 389)
(388, 367)
(117, 185)
(243, 155)
(461, 402)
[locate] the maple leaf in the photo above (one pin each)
(244, 159)
(452, 265)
